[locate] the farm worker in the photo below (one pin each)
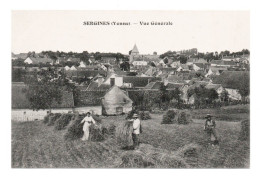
(88, 120)
(136, 130)
(25, 117)
(209, 127)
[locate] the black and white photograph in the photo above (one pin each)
(161, 89)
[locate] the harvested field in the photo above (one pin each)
(36, 145)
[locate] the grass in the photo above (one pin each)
(35, 145)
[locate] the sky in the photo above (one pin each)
(208, 31)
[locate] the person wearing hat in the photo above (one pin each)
(209, 127)
(136, 130)
(88, 120)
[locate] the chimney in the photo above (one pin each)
(112, 82)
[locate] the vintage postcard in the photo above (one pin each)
(130, 89)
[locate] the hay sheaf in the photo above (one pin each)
(245, 130)
(150, 157)
(53, 118)
(46, 118)
(189, 150)
(63, 121)
(176, 116)
(123, 133)
(98, 132)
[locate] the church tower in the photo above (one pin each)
(133, 52)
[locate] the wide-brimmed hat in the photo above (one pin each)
(135, 115)
(208, 115)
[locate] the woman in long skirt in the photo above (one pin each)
(88, 120)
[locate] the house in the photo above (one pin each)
(114, 79)
(22, 56)
(218, 87)
(153, 85)
(174, 79)
(198, 67)
(73, 59)
(228, 58)
(67, 68)
(139, 63)
(173, 86)
(223, 63)
(233, 94)
(151, 71)
(183, 67)
(191, 61)
(116, 102)
(98, 86)
(32, 60)
(82, 64)
(215, 71)
(175, 64)
(73, 68)
(108, 60)
(138, 82)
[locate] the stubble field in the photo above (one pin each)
(35, 145)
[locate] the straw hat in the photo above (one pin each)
(135, 115)
(208, 115)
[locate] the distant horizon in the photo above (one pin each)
(208, 31)
(129, 50)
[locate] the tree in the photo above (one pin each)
(165, 60)
(18, 75)
(45, 89)
(183, 59)
(125, 66)
(224, 95)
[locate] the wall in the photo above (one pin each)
(18, 114)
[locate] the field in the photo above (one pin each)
(35, 145)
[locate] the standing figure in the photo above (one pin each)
(25, 117)
(210, 128)
(88, 120)
(137, 129)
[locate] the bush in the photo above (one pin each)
(63, 121)
(46, 118)
(144, 115)
(245, 130)
(53, 118)
(169, 117)
(183, 118)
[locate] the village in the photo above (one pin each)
(171, 96)
(115, 84)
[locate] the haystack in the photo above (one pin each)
(245, 130)
(123, 133)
